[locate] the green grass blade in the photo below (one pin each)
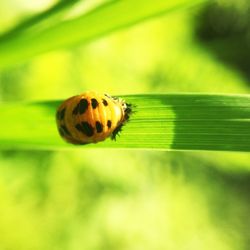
(106, 18)
(166, 122)
(37, 19)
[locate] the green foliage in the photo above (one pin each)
(24, 43)
(97, 197)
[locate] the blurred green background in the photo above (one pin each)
(130, 199)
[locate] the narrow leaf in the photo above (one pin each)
(164, 122)
(108, 17)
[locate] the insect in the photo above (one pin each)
(91, 117)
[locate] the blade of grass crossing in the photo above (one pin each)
(37, 19)
(106, 18)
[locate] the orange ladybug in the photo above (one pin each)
(91, 117)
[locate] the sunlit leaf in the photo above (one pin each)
(106, 18)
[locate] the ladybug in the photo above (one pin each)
(91, 117)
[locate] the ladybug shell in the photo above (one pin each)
(90, 117)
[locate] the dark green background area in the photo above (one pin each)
(128, 199)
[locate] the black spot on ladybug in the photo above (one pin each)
(105, 103)
(85, 128)
(94, 103)
(78, 127)
(109, 124)
(99, 127)
(75, 110)
(83, 106)
(62, 114)
(65, 130)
